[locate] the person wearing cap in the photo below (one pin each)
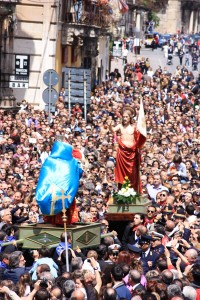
(88, 129)
(148, 257)
(157, 246)
(179, 215)
(167, 212)
(134, 251)
(179, 220)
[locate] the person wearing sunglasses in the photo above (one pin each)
(151, 214)
(112, 256)
(156, 187)
(162, 198)
(156, 244)
(148, 256)
(100, 208)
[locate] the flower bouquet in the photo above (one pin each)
(127, 195)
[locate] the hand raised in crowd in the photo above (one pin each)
(166, 252)
(184, 243)
(178, 263)
(114, 233)
(93, 262)
(188, 269)
(4, 289)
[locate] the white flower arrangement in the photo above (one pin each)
(127, 194)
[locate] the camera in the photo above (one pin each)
(181, 234)
(169, 247)
(44, 283)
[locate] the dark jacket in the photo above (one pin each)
(14, 274)
(128, 237)
(152, 256)
(138, 288)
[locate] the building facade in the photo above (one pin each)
(55, 34)
(75, 33)
(7, 25)
(175, 16)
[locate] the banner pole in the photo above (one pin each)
(64, 218)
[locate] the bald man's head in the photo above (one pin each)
(191, 255)
(77, 295)
(141, 230)
(170, 225)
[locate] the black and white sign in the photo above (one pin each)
(22, 64)
(19, 78)
(19, 82)
(18, 85)
(117, 48)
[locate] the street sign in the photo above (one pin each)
(22, 62)
(75, 80)
(50, 94)
(50, 77)
(18, 85)
(77, 84)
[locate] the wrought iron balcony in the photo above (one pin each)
(93, 15)
(6, 7)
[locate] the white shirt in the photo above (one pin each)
(153, 191)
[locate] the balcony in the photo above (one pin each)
(6, 7)
(190, 4)
(92, 15)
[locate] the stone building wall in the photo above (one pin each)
(170, 20)
(36, 34)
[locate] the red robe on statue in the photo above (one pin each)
(128, 161)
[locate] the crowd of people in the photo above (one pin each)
(157, 257)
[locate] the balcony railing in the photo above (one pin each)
(93, 15)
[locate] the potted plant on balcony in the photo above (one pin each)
(128, 200)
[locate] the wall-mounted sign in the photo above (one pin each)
(18, 85)
(22, 64)
(19, 82)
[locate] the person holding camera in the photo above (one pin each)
(87, 263)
